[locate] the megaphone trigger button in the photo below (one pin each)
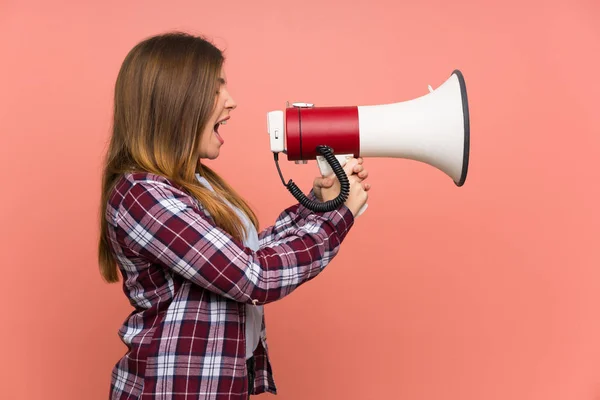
(303, 105)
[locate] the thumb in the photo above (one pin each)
(324, 182)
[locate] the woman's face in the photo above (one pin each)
(211, 139)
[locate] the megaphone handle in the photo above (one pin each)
(362, 210)
(326, 171)
(339, 172)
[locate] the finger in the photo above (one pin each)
(327, 182)
(350, 166)
(358, 168)
(366, 186)
(361, 176)
(354, 179)
(323, 182)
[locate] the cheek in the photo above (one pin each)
(207, 141)
(201, 143)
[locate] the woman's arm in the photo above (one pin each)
(163, 226)
(290, 218)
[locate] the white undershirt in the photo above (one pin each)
(254, 314)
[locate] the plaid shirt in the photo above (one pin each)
(189, 281)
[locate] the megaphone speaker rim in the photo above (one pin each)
(467, 142)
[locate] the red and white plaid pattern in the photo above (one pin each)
(188, 282)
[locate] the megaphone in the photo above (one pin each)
(433, 129)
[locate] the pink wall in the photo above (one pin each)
(486, 292)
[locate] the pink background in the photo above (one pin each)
(486, 292)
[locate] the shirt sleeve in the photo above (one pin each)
(164, 227)
(290, 218)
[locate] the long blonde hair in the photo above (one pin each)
(164, 96)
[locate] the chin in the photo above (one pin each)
(213, 154)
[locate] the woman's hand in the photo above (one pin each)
(328, 188)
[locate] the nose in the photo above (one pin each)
(230, 104)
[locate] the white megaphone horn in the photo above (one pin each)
(433, 129)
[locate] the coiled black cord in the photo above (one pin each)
(318, 206)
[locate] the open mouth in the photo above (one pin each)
(216, 130)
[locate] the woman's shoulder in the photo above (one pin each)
(147, 180)
(142, 187)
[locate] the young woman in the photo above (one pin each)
(195, 268)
